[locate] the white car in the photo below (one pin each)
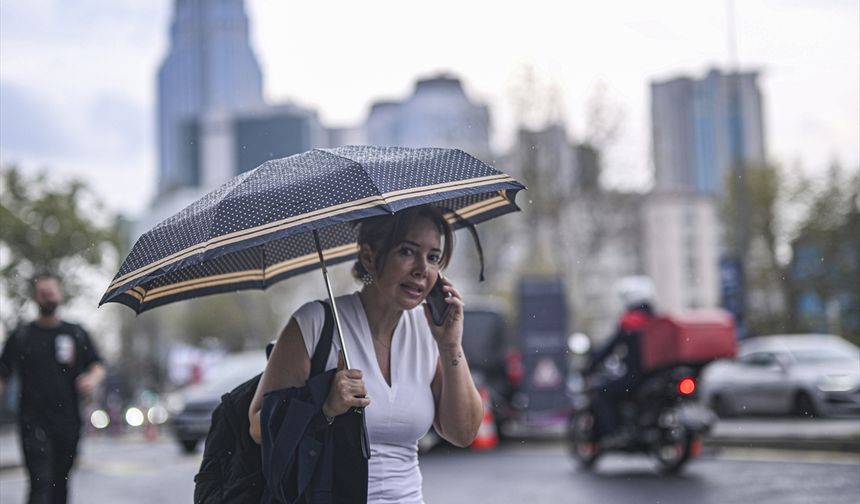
(193, 405)
(798, 374)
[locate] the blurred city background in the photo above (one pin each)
(712, 147)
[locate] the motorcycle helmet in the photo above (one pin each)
(636, 291)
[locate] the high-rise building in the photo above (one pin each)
(213, 123)
(210, 68)
(703, 128)
(217, 145)
(680, 248)
(438, 114)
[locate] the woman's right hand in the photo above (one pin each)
(347, 391)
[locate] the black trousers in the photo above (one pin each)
(49, 455)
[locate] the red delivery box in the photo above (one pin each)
(695, 337)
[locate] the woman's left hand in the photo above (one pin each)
(450, 333)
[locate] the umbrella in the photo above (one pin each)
(295, 214)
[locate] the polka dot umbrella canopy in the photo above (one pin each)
(260, 227)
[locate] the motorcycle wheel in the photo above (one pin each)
(580, 435)
(673, 455)
(189, 445)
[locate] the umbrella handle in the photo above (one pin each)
(365, 441)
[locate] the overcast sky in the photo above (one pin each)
(77, 79)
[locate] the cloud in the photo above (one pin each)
(28, 126)
(119, 125)
(87, 22)
(110, 125)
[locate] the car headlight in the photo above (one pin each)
(157, 414)
(837, 383)
(174, 403)
(100, 419)
(134, 417)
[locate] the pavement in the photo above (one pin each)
(134, 470)
(10, 448)
(837, 435)
(830, 434)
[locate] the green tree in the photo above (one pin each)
(825, 268)
(803, 249)
(47, 226)
(759, 229)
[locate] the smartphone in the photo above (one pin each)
(436, 299)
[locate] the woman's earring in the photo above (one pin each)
(367, 278)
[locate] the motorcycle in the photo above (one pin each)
(661, 417)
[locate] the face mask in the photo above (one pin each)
(48, 308)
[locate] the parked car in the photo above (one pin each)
(491, 354)
(799, 374)
(494, 361)
(194, 404)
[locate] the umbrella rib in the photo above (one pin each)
(246, 175)
(372, 182)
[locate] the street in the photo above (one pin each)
(132, 470)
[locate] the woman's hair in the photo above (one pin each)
(385, 232)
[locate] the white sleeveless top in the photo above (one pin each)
(398, 415)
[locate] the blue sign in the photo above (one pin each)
(543, 331)
(732, 286)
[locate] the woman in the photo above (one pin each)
(407, 371)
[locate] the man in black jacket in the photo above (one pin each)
(57, 364)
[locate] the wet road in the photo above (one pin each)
(131, 470)
(545, 474)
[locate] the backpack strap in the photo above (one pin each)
(323, 348)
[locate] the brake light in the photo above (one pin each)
(687, 385)
(514, 366)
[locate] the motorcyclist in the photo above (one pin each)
(619, 359)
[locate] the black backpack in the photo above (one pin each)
(231, 470)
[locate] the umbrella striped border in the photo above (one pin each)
(234, 281)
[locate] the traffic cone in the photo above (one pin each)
(487, 437)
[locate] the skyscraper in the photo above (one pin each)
(702, 128)
(209, 68)
(438, 114)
